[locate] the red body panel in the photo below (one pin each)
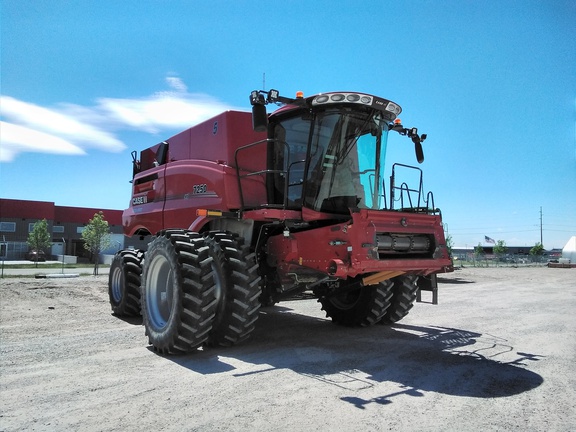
(200, 173)
(216, 139)
(350, 248)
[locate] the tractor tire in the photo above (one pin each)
(124, 282)
(237, 289)
(360, 307)
(178, 292)
(403, 297)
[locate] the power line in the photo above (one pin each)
(495, 228)
(565, 226)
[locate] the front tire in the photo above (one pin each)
(237, 286)
(124, 282)
(178, 292)
(362, 306)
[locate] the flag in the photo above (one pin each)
(489, 240)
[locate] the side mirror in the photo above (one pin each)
(419, 151)
(417, 140)
(259, 118)
(413, 135)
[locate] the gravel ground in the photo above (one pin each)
(497, 353)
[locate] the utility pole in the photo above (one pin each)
(541, 227)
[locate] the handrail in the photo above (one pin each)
(260, 172)
(404, 190)
(384, 200)
(430, 197)
(404, 187)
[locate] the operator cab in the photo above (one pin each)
(328, 153)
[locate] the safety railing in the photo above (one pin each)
(410, 199)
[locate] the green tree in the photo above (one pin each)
(96, 237)
(537, 250)
(500, 249)
(478, 252)
(39, 238)
(449, 244)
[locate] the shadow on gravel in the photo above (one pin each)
(134, 320)
(420, 359)
(454, 281)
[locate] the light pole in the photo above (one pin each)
(541, 242)
(63, 253)
(3, 252)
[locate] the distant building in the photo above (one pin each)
(515, 252)
(17, 218)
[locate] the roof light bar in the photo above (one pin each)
(359, 98)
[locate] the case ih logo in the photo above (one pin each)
(139, 200)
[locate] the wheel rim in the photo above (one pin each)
(346, 300)
(159, 291)
(116, 284)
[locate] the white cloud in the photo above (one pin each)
(177, 84)
(17, 139)
(58, 124)
(161, 111)
(71, 129)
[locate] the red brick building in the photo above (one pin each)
(17, 217)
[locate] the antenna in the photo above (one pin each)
(263, 80)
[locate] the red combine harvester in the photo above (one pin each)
(246, 210)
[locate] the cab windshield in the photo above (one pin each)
(344, 165)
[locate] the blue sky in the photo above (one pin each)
(492, 83)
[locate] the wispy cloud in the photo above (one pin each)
(161, 111)
(16, 139)
(62, 127)
(72, 129)
(177, 84)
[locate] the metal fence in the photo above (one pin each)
(508, 260)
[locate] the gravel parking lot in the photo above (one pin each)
(497, 353)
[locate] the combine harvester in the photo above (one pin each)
(246, 210)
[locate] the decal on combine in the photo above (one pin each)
(199, 189)
(139, 200)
